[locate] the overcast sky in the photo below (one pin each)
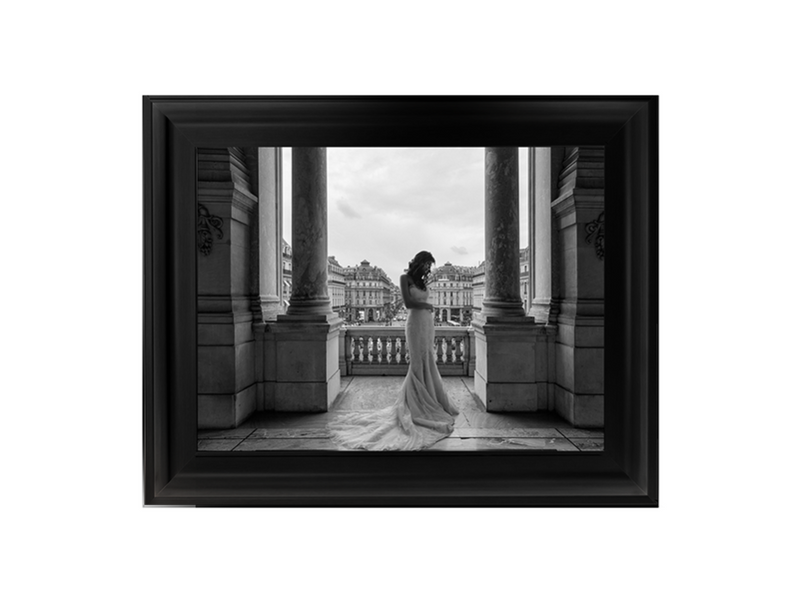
(385, 205)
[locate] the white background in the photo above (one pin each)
(729, 526)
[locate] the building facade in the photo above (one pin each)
(478, 288)
(524, 278)
(369, 294)
(336, 284)
(451, 294)
(287, 273)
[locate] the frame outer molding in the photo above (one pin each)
(175, 473)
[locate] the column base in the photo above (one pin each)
(540, 311)
(512, 364)
(310, 307)
(580, 410)
(502, 309)
(308, 376)
(226, 411)
(580, 362)
(270, 306)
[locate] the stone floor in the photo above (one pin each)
(475, 429)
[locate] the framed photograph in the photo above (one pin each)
(401, 301)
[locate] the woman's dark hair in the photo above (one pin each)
(419, 268)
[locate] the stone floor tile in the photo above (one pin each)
(286, 444)
(574, 432)
(588, 444)
(560, 444)
(475, 429)
(290, 432)
(369, 393)
(288, 420)
(506, 432)
(217, 445)
(554, 444)
(237, 433)
(482, 419)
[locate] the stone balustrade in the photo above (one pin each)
(383, 350)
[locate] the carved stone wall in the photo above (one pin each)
(227, 390)
(578, 213)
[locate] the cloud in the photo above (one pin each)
(347, 209)
(459, 250)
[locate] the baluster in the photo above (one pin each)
(359, 349)
(384, 350)
(450, 343)
(458, 350)
(439, 344)
(405, 351)
(393, 359)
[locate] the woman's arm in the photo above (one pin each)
(410, 303)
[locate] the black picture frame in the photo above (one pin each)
(624, 474)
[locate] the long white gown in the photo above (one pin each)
(422, 413)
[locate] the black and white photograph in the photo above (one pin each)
(441, 299)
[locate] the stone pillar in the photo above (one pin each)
(307, 356)
(539, 230)
(269, 233)
(227, 212)
(579, 212)
(511, 363)
(310, 294)
(502, 298)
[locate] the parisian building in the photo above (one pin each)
(369, 293)
(452, 294)
(336, 283)
(287, 273)
(478, 288)
(524, 276)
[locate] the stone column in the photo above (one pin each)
(539, 228)
(310, 295)
(502, 298)
(306, 360)
(511, 364)
(269, 233)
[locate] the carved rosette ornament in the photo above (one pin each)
(207, 224)
(595, 230)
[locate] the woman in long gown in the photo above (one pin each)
(422, 413)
